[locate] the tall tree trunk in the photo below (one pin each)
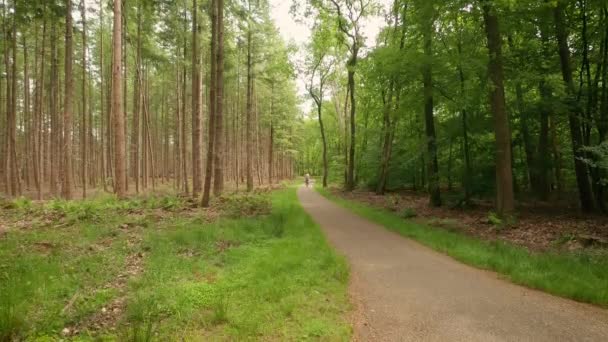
(38, 165)
(28, 159)
(68, 101)
(345, 147)
(271, 140)
(218, 161)
(505, 202)
(352, 64)
(318, 99)
(84, 141)
(184, 139)
(212, 107)
(465, 131)
(6, 108)
(125, 90)
(249, 128)
(196, 120)
(178, 140)
(135, 134)
(580, 168)
(11, 169)
(429, 117)
(55, 142)
(103, 116)
(117, 106)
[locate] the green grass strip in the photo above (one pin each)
(265, 277)
(582, 276)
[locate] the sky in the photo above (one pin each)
(299, 33)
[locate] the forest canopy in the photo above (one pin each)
(463, 99)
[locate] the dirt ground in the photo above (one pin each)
(538, 225)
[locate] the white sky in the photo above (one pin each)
(299, 33)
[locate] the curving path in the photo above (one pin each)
(407, 292)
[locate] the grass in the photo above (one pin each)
(270, 276)
(582, 276)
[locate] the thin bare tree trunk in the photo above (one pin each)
(29, 134)
(84, 141)
(218, 173)
(38, 164)
(196, 120)
(68, 101)
(184, 140)
(212, 107)
(117, 106)
(136, 105)
(103, 116)
(249, 127)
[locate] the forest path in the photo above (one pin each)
(407, 292)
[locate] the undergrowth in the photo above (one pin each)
(262, 270)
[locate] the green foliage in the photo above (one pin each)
(500, 222)
(245, 204)
(408, 213)
(390, 101)
(598, 159)
(564, 239)
(392, 201)
(494, 219)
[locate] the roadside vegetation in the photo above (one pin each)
(160, 268)
(581, 275)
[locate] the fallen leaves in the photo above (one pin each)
(539, 226)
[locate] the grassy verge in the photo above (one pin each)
(582, 276)
(140, 271)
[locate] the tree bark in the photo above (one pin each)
(212, 107)
(429, 117)
(580, 168)
(218, 161)
(249, 109)
(505, 202)
(352, 64)
(68, 103)
(196, 120)
(84, 139)
(135, 129)
(117, 106)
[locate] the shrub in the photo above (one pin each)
(241, 205)
(408, 213)
(23, 203)
(501, 222)
(392, 201)
(494, 219)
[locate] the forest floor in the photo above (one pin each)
(538, 226)
(159, 267)
(407, 292)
